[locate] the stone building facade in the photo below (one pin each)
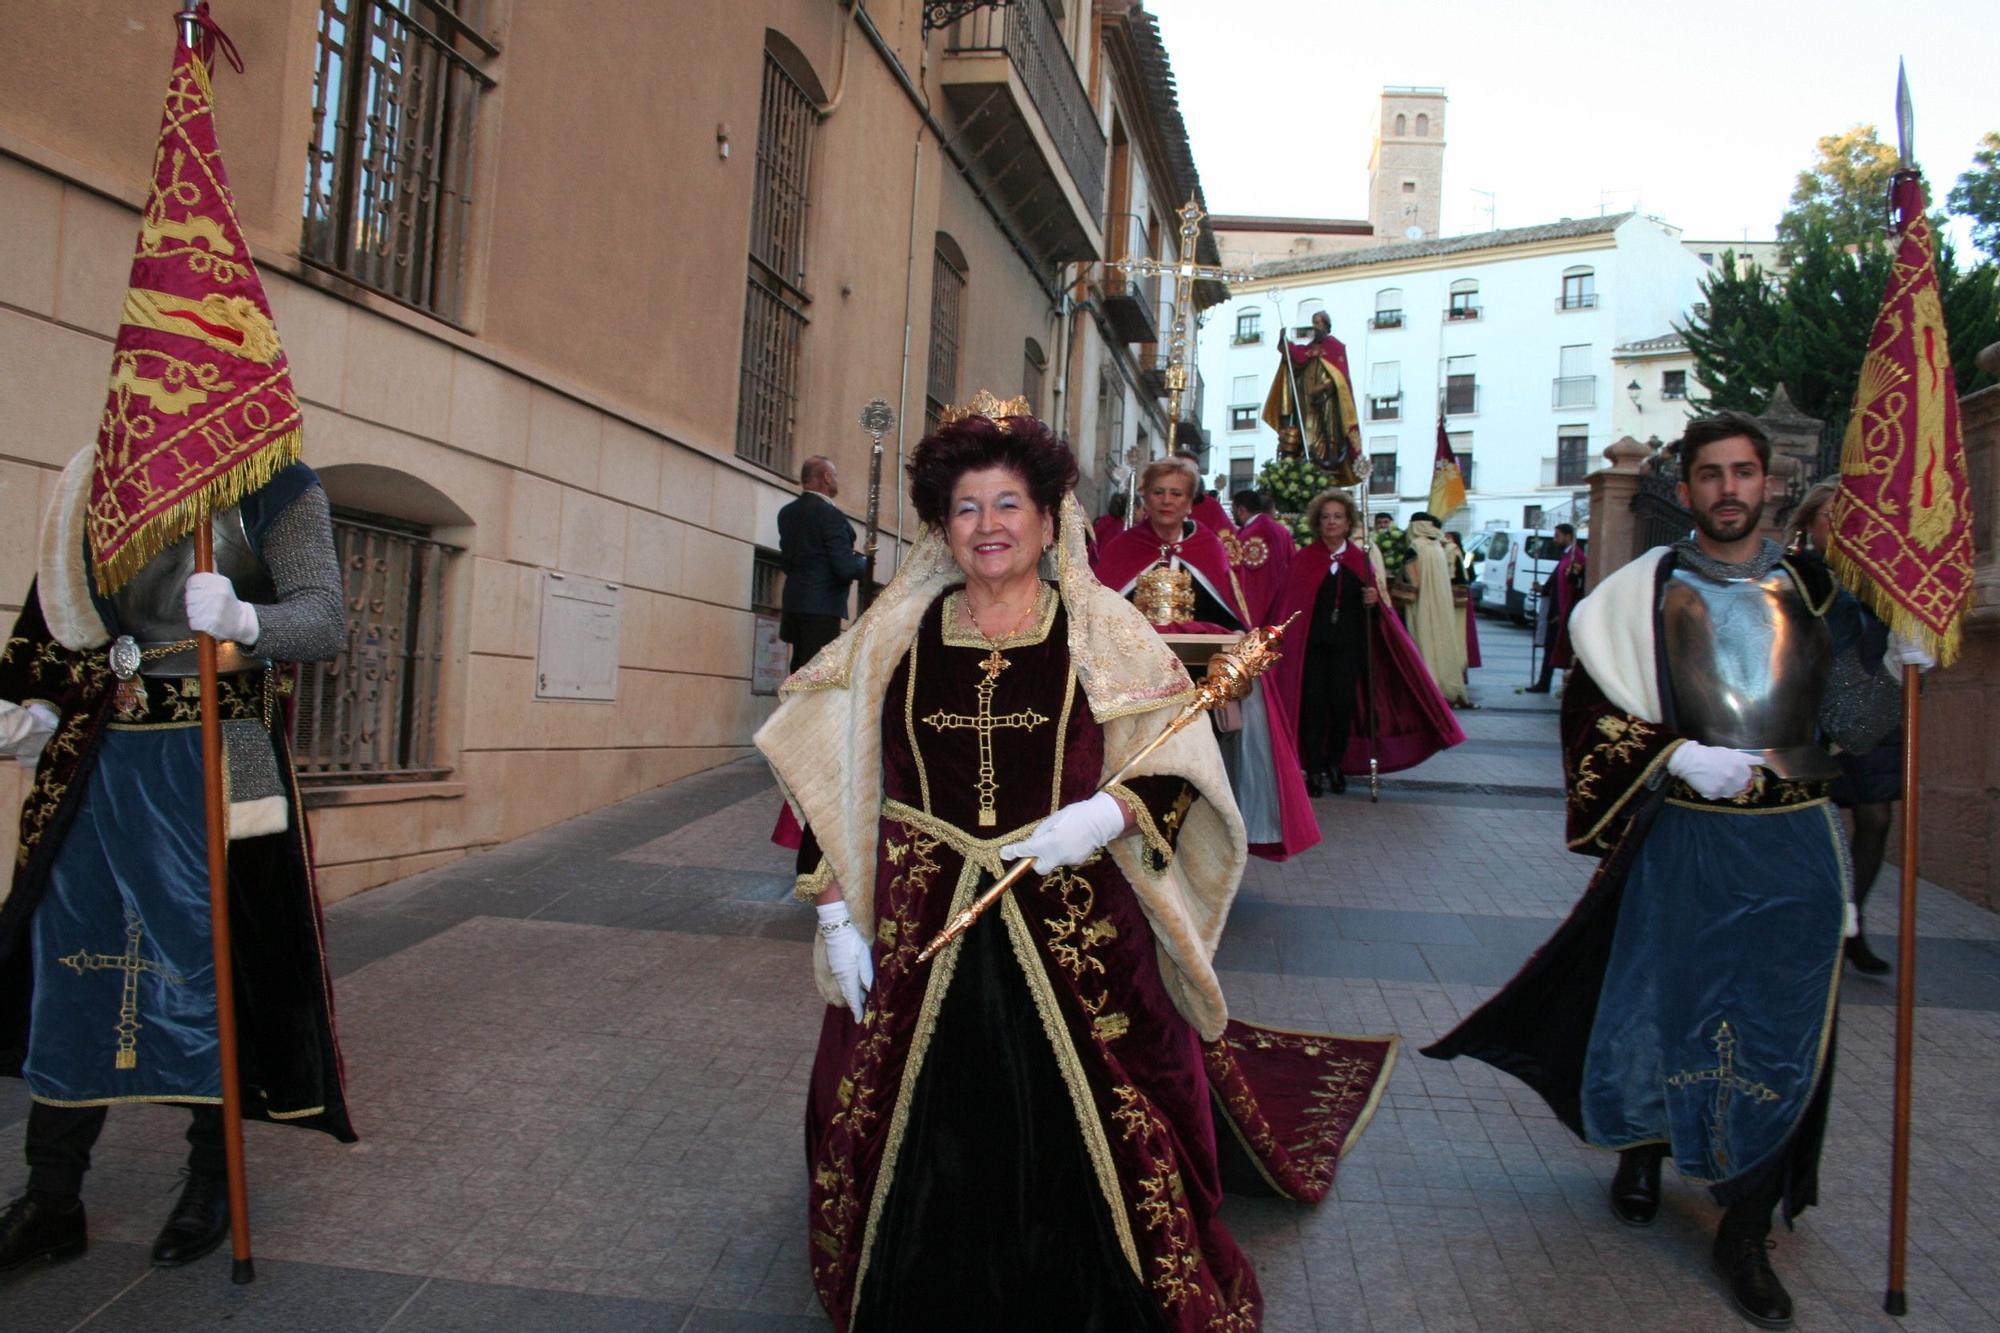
(568, 302)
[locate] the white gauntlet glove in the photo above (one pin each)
(214, 608)
(25, 730)
(1715, 771)
(846, 955)
(1071, 834)
(1901, 653)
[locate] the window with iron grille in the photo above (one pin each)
(1382, 476)
(1034, 370)
(1673, 384)
(767, 581)
(371, 714)
(774, 309)
(1242, 475)
(388, 198)
(947, 312)
(1531, 517)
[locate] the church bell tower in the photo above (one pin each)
(1406, 165)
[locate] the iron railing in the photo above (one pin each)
(388, 192)
(1570, 464)
(1573, 391)
(1577, 301)
(1027, 32)
(1460, 399)
(371, 714)
(768, 388)
(1386, 409)
(1656, 506)
(1386, 319)
(1126, 233)
(947, 309)
(1461, 312)
(774, 304)
(1382, 478)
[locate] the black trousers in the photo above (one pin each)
(807, 635)
(1327, 698)
(60, 1138)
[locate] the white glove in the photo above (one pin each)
(25, 730)
(1713, 770)
(846, 955)
(1072, 833)
(214, 608)
(1902, 652)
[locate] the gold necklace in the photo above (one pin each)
(1020, 622)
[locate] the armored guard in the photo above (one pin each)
(107, 947)
(1687, 1006)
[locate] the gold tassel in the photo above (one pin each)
(163, 530)
(128, 1060)
(1944, 647)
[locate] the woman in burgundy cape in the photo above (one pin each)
(1023, 1133)
(1327, 686)
(1263, 761)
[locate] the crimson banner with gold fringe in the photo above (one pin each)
(1902, 518)
(1447, 485)
(201, 409)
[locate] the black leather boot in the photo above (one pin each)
(1635, 1190)
(39, 1227)
(199, 1222)
(1866, 961)
(1741, 1260)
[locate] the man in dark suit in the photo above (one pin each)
(820, 561)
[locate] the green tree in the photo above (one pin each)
(1977, 195)
(1843, 198)
(1811, 333)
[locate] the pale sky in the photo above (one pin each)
(1565, 108)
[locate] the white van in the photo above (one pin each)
(1507, 567)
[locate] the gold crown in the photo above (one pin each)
(984, 404)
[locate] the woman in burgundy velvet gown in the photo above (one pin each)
(1020, 1134)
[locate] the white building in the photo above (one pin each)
(1509, 334)
(1653, 377)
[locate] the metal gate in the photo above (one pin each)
(1656, 509)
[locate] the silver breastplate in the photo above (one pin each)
(152, 607)
(1748, 664)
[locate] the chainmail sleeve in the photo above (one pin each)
(308, 622)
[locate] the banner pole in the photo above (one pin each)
(244, 1269)
(1894, 1302)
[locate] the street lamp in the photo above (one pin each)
(1632, 390)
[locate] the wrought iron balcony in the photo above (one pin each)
(1568, 467)
(1386, 319)
(1191, 433)
(1025, 119)
(1131, 300)
(1574, 391)
(1577, 301)
(1461, 312)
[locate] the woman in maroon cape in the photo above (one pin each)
(1327, 686)
(1263, 765)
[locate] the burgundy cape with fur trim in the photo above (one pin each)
(1412, 718)
(1137, 550)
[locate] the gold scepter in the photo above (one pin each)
(1229, 677)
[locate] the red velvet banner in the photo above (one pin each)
(201, 409)
(1902, 519)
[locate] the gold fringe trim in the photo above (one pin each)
(161, 531)
(1877, 598)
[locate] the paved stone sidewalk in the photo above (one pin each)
(578, 1063)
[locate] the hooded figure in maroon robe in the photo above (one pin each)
(1260, 551)
(1184, 585)
(1350, 654)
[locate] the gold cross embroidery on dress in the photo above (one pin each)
(131, 964)
(983, 723)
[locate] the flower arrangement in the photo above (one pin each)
(1291, 483)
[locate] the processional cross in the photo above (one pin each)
(983, 723)
(1728, 1083)
(1185, 273)
(131, 964)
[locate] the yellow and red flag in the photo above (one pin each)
(201, 409)
(1902, 518)
(1447, 485)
